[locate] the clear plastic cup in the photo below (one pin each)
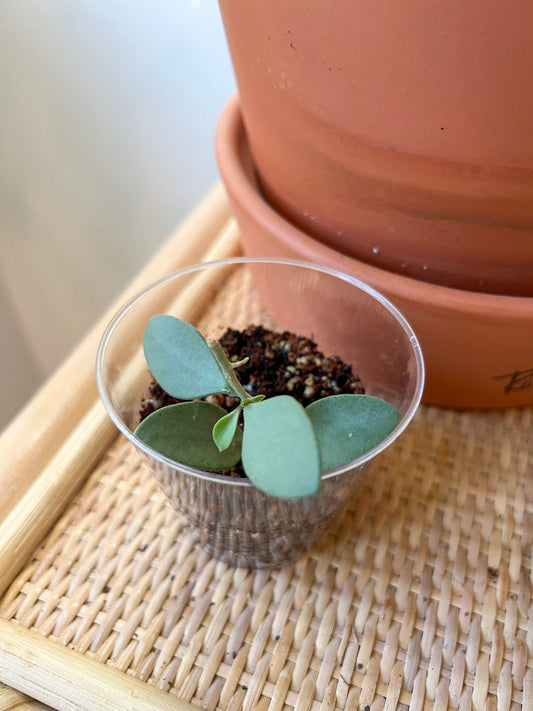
(229, 517)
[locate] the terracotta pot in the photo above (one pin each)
(398, 133)
(478, 348)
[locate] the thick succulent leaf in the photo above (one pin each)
(181, 360)
(348, 426)
(279, 452)
(224, 430)
(184, 433)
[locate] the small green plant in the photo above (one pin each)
(284, 448)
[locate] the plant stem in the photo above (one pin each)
(226, 367)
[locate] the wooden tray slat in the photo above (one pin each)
(65, 679)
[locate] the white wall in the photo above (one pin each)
(107, 116)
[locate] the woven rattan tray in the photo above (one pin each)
(418, 597)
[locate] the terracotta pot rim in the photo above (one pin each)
(233, 151)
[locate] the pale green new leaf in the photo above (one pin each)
(279, 451)
(181, 360)
(348, 426)
(184, 433)
(224, 430)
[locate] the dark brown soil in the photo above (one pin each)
(279, 364)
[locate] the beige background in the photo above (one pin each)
(107, 116)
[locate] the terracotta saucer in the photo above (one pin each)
(478, 347)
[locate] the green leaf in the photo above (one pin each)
(224, 430)
(184, 433)
(279, 451)
(348, 426)
(181, 360)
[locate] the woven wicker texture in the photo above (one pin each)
(418, 596)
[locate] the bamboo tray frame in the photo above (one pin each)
(419, 598)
